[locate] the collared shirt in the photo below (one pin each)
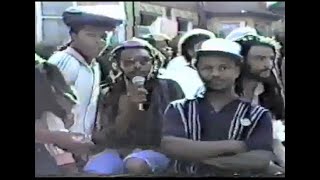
(215, 126)
(178, 69)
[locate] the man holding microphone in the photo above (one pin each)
(131, 113)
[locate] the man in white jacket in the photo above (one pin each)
(180, 69)
(80, 69)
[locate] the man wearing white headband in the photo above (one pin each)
(131, 113)
(218, 133)
(180, 69)
(77, 64)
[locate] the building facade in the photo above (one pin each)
(222, 17)
(49, 27)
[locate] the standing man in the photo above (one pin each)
(80, 69)
(180, 68)
(219, 134)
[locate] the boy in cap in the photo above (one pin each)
(218, 133)
(180, 69)
(131, 113)
(80, 69)
(261, 82)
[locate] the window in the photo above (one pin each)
(226, 28)
(182, 25)
(142, 30)
(145, 23)
(54, 8)
(54, 32)
(50, 28)
(146, 19)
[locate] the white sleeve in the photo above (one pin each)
(67, 64)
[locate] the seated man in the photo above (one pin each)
(217, 134)
(131, 114)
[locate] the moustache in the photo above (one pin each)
(258, 77)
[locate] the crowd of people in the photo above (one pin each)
(196, 105)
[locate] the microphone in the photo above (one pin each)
(139, 81)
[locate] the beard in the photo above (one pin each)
(257, 75)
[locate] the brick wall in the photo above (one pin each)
(215, 24)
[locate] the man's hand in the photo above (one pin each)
(73, 142)
(136, 94)
(68, 120)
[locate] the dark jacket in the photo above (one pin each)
(144, 131)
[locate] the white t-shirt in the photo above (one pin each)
(187, 77)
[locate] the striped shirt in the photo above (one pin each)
(198, 121)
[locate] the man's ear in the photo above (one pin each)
(189, 51)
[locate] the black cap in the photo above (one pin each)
(75, 16)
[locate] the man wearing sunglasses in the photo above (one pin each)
(130, 113)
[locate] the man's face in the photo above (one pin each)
(260, 60)
(163, 47)
(194, 44)
(90, 40)
(135, 62)
(218, 72)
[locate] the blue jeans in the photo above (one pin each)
(110, 162)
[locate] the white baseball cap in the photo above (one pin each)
(239, 33)
(220, 45)
(191, 33)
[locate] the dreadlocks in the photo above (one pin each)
(160, 93)
(272, 97)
